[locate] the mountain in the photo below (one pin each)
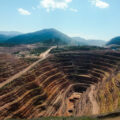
(10, 33)
(90, 42)
(114, 41)
(46, 36)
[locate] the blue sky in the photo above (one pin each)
(91, 19)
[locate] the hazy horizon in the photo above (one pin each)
(58, 30)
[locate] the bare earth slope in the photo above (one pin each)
(64, 84)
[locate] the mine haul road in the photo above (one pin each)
(95, 106)
(42, 56)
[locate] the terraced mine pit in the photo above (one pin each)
(65, 84)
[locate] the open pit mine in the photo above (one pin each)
(77, 83)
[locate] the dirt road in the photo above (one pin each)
(42, 57)
(95, 108)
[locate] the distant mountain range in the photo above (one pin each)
(90, 42)
(5, 35)
(10, 33)
(3, 38)
(46, 36)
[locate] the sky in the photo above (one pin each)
(90, 19)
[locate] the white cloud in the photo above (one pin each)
(100, 3)
(55, 4)
(23, 11)
(73, 10)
